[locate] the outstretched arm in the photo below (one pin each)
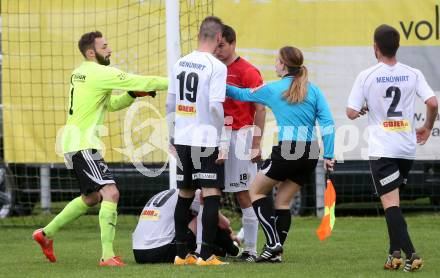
(258, 95)
(118, 102)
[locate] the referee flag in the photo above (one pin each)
(328, 221)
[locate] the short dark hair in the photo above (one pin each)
(210, 27)
(87, 41)
(229, 34)
(387, 39)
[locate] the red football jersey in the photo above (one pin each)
(241, 74)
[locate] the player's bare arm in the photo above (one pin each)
(259, 121)
(424, 132)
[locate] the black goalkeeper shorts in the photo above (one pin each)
(90, 170)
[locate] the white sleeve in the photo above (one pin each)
(217, 88)
(423, 90)
(217, 115)
(357, 99)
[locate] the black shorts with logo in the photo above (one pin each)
(90, 169)
(293, 160)
(389, 173)
(196, 168)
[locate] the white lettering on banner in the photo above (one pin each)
(390, 178)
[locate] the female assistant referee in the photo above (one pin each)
(297, 105)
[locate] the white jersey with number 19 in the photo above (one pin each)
(389, 92)
(196, 80)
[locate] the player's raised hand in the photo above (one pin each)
(422, 135)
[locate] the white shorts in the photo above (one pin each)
(239, 170)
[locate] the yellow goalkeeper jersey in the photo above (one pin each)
(91, 86)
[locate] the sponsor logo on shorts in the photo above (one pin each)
(234, 184)
(150, 214)
(394, 176)
(401, 125)
(204, 176)
(179, 177)
(186, 110)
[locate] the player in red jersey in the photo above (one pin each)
(244, 149)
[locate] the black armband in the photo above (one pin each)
(132, 94)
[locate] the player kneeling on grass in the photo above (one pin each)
(154, 237)
(390, 88)
(297, 105)
(90, 93)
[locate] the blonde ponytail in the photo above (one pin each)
(293, 59)
(297, 91)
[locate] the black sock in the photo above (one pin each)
(399, 231)
(209, 223)
(283, 220)
(181, 219)
(394, 242)
(264, 210)
(224, 241)
(191, 241)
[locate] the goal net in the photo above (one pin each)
(39, 52)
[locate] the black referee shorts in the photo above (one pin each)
(196, 168)
(293, 160)
(90, 170)
(389, 173)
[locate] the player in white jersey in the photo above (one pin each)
(388, 91)
(154, 236)
(195, 98)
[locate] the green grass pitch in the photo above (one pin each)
(357, 248)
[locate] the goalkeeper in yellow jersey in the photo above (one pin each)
(91, 86)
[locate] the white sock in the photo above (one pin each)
(199, 230)
(250, 228)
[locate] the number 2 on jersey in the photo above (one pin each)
(396, 98)
(190, 84)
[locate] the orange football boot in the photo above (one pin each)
(115, 261)
(45, 243)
